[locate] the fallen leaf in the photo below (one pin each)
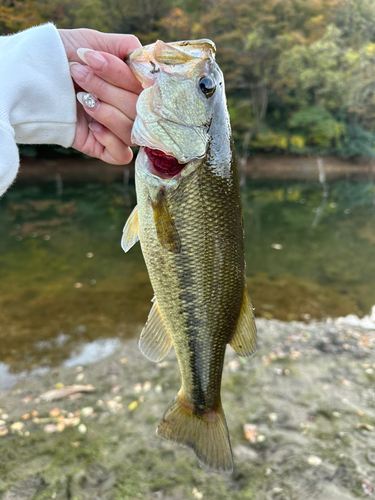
(133, 405)
(363, 425)
(65, 391)
(17, 426)
(367, 487)
(250, 433)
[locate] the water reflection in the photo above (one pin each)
(65, 281)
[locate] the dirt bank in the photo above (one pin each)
(71, 170)
(301, 416)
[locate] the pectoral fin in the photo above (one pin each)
(244, 341)
(165, 227)
(130, 234)
(155, 342)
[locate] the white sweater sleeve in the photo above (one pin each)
(37, 99)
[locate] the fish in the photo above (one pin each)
(189, 222)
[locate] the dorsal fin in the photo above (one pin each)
(155, 342)
(130, 233)
(244, 340)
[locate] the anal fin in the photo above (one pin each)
(244, 340)
(155, 342)
(130, 234)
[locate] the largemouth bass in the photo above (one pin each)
(189, 224)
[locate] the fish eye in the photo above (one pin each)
(207, 86)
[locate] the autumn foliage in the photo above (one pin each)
(300, 75)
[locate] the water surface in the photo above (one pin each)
(66, 284)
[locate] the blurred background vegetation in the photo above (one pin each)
(300, 75)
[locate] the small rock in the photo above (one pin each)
(314, 460)
(50, 428)
(147, 386)
(80, 377)
(273, 417)
(137, 388)
(197, 494)
(26, 416)
(78, 285)
(87, 411)
(336, 414)
(3, 431)
(371, 457)
(2, 422)
(244, 453)
(82, 429)
(163, 364)
(233, 366)
(261, 438)
(276, 246)
(89, 255)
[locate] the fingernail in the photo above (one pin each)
(92, 58)
(81, 98)
(96, 127)
(79, 71)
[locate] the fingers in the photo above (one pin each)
(113, 150)
(111, 117)
(110, 68)
(123, 100)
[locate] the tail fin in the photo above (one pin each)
(206, 434)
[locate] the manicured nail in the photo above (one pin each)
(88, 100)
(96, 127)
(92, 58)
(79, 71)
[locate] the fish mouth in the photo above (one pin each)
(165, 166)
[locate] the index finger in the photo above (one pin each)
(111, 69)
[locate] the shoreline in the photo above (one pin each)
(296, 413)
(76, 170)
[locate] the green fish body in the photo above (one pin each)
(189, 223)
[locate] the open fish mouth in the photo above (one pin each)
(165, 166)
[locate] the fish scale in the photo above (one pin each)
(191, 234)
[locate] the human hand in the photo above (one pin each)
(103, 131)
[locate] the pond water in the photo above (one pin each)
(68, 291)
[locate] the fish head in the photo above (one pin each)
(182, 87)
